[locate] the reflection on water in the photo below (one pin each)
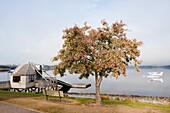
(4, 76)
(133, 84)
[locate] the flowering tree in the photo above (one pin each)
(101, 52)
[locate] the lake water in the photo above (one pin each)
(133, 84)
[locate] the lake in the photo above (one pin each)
(133, 84)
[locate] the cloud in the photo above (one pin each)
(25, 51)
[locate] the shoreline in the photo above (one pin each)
(130, 98)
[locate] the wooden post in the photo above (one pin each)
(56, 84)
(9, 86)
(38, 90)
(46, 96)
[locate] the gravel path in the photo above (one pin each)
(9, 108)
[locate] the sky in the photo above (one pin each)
(31, 30)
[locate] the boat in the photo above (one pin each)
(154, 76)
(11, 70)
(156, 79)
(155, 73)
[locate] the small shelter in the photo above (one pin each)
(24, 76)
(29, 77)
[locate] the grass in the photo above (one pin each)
(165, 108)
(37, 102)
(126, 103)
(83, 100)
(19, 93)
(140, 104)
(7, 94)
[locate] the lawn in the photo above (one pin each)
(78, 105)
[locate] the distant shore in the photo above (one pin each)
(50, 67)
(4, 68)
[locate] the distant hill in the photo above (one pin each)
(151, 67)
(50, 67)
(6, 67)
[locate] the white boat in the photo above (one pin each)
(154, 76)
(155, 73)
(156, 79)
(11, 70)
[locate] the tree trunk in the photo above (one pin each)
(98, 99)
(98, 81)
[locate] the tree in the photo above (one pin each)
(101, 52)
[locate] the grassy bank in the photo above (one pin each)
(78, 105)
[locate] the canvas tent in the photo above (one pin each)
(24, 76)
